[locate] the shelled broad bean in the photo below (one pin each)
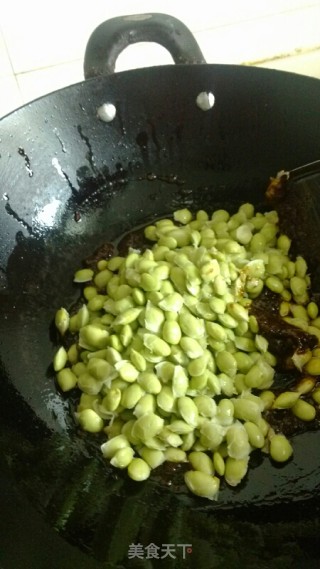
(170, 362)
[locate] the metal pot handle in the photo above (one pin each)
(111, 37)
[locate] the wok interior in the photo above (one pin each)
(160, 155)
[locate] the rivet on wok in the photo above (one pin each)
(205, 100)
(106, 112)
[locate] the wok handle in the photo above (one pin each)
(111, 37)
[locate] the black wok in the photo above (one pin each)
(61, 506)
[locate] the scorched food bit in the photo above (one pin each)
(277, 187)
(285, 340)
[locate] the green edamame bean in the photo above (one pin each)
(257, 243)
(102, 278)
(312, 310)
(280, 448)
(225, 412)
(198, 366)
(127, 316)
(197, 384)
(216, 331)
(122, 305)
(260, 376)
(73, 354)
(220, 285)
(60, 359)
(274, 284)
(286, 400)
(255, 435)
(93, 337)
(79, 368)
(126, 335)
(284, 243)
(191, 325)
(149, 382)
(147, 426)
(131, 395)
(188, 441)
(115, 342)
(180, 427)
(165, 371)
(122, 458)
(169, 242)
(304, 410)
(152, 457)
(313, 366)
(147, 404)
(156, 345)
(100, 369)
(89, 292)
(83, 276)
(183, 216)
(150, 232)
(227, 320)
(305, 385)
(218, 463)
(153, 318)
(62, 319)
(220, 215)
(246, 410)
(82, 317)
(171, 332)
(90, 421)
(238, 311)
(173, 454)
(180, 381)
(211, 435)
(226, 363)
(206, 406)
(316, 395)
(112, 399)
(172, 302)
(298, 286)
(202, 462)
(237, 441)
(243, 361)
(123, 291)
(126, 371)
(170, 438)
(188, 410)
(138, 469)
(316, 322)
(235, 470)
(138, 296)
(191, 347)
(202, 484)
(301, 267)
(218, 305)
(66, 379)
(87, 401)
(210, 270)
(268, 398)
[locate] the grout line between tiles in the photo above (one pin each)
(295, 53)
(7, 50)
(51, 66)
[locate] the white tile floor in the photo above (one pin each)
(42, 48)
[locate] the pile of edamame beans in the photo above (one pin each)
(167, 357)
